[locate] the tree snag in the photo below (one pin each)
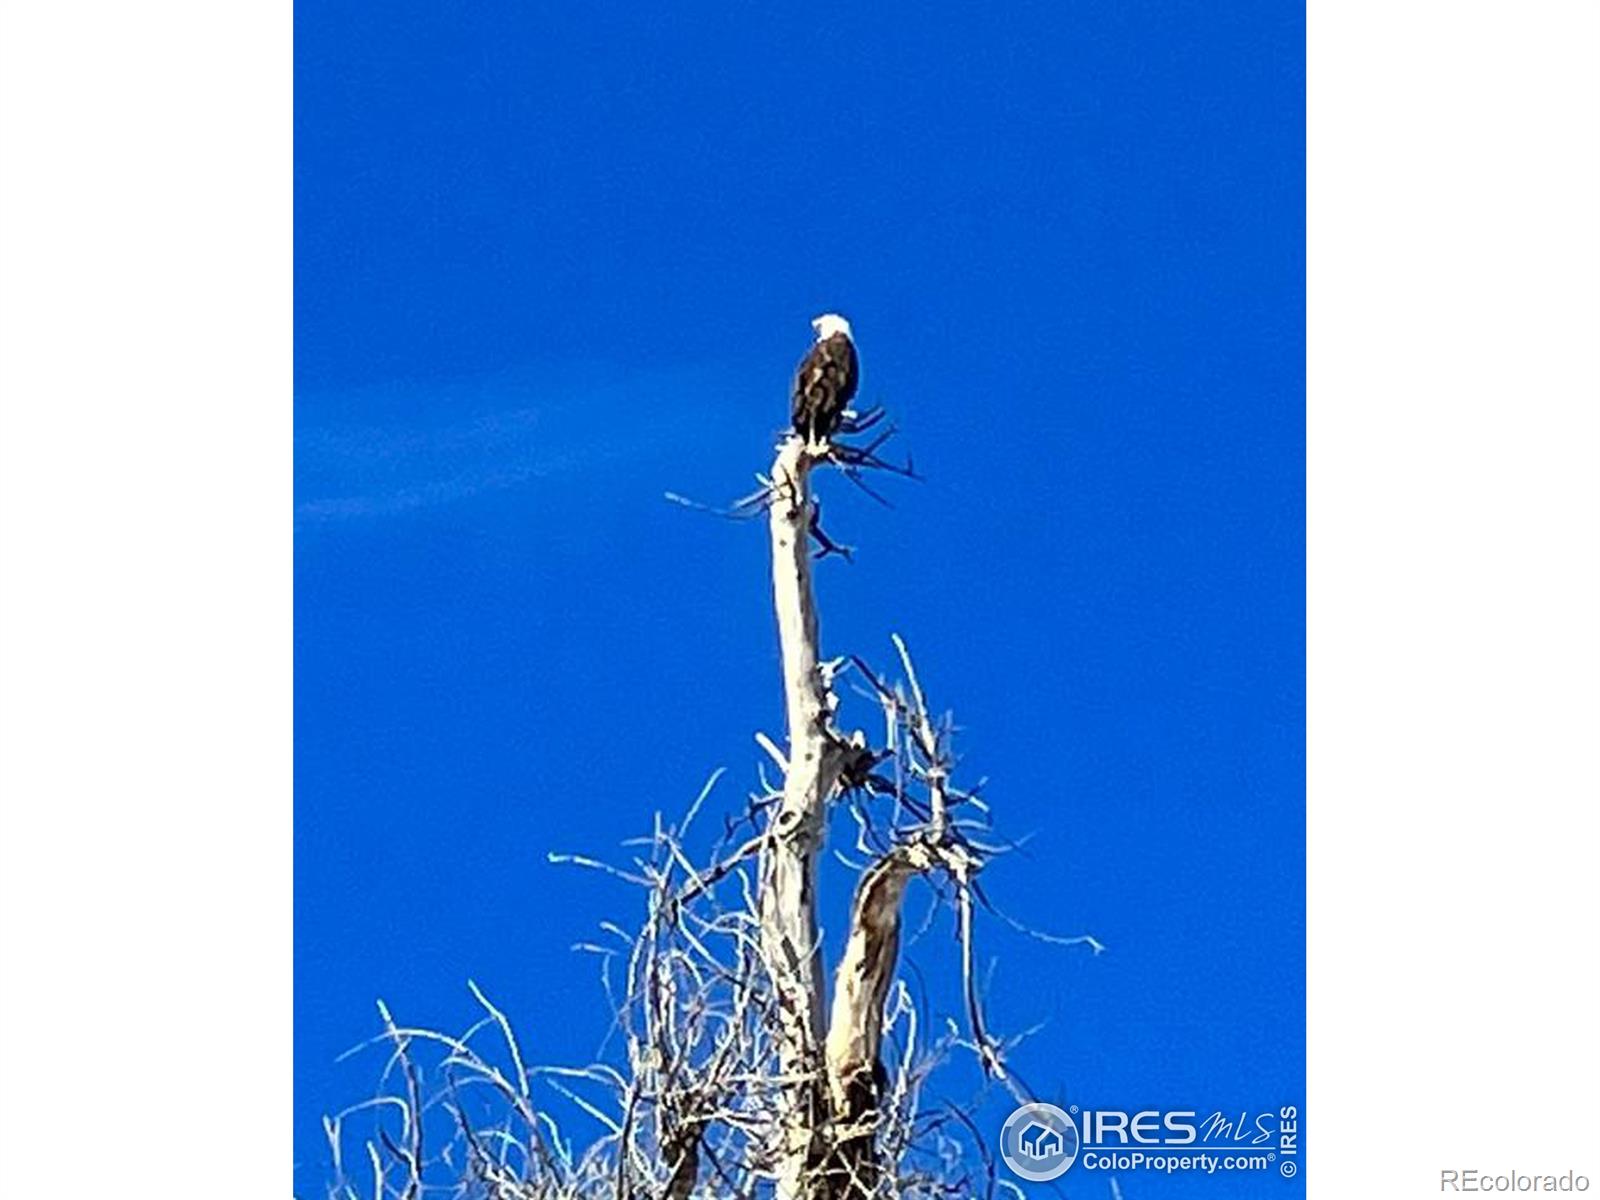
(789, 934)
(730, 1075)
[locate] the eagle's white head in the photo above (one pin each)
(829, 324)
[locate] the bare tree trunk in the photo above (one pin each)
(856, 1081)
(833, 1085)
(788, 888)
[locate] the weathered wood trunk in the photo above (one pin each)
(788, 877)
(856, 1079)
(832, 1082)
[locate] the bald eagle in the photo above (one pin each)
(825, 383)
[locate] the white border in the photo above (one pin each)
(145, 602)
(1454, 592)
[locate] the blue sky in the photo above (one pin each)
(551, 264)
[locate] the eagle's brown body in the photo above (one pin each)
(824, 385)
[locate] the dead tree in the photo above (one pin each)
(835, 1088)
(733, 1074)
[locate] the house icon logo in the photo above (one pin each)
(1039, 1142)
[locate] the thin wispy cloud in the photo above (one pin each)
(387, 451)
